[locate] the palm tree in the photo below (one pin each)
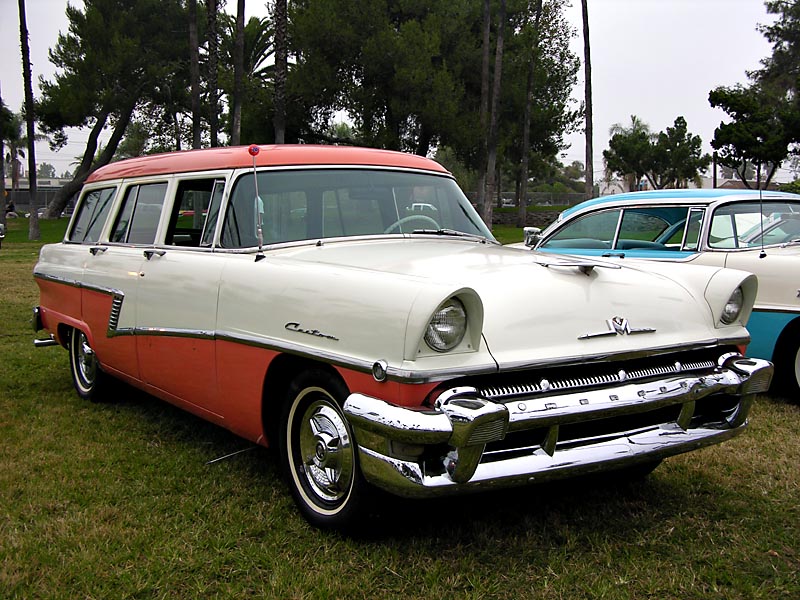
(213, 57)
(33, 224)
(281, 68)
(536, 7)
(15, 142)
(6, 120)
(194, 73)
(587, 69)
(238, 76)
(494, 109)
(636, 127)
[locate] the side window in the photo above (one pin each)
(640, 226)
(591, 231)
(137, 221)
(212, 216)
(92, 213)
(691, 238)
(722, 233)
(189, 212)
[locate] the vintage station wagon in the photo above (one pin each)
(300, 297)
(741, 229)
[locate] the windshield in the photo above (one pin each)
(313, 204)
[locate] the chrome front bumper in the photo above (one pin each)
(465, 431)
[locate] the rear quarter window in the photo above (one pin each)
(93, 211)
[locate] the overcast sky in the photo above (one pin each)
(656, 59)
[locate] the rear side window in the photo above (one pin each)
(190, 211)
(137, 221)
(92, 213)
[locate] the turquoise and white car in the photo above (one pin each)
(742, 229)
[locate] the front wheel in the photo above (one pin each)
(787, 370)
(318, 452)
(87, 376)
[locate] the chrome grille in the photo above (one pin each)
(617, 376)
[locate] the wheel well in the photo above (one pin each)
(63, 334)
(786, 339)
(280, 373)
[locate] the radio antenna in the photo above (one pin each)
(763, 252)
(258, 204)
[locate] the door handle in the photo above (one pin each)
(95, 249)
(148, 254)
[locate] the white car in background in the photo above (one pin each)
(742, 229)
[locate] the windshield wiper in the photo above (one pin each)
(451, 232)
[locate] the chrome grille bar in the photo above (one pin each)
(505, 392)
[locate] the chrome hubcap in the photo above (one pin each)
(85, 359)
(797, 367)
(326, 451)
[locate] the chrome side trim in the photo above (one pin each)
(78, 284)
(116, 308)
(57, 279)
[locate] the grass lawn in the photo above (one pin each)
(118, 501)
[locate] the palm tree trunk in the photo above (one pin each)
(2, 171)
(194, 73)
(484, 107)
(587, 68)
(491, 151)
(526, 121)
(33, 224)
(213, 56)
(238, 76)
(281, 67)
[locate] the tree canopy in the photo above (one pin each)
(404, 74)
(670, 158)
(764, 126)
(115, 56)
(759, 133)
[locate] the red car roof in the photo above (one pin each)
(234, 157)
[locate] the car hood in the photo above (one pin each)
(542, 308)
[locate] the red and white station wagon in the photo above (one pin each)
(349, 306)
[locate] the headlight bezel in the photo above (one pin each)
(450, 315)
(733, 307)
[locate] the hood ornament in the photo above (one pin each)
(617, 326)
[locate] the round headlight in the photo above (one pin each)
(447, 327)
(733, 308)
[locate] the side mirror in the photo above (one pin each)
(532, 236)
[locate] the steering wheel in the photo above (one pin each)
(403, 220)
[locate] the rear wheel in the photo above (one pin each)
(88, 378)
(318, 452)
